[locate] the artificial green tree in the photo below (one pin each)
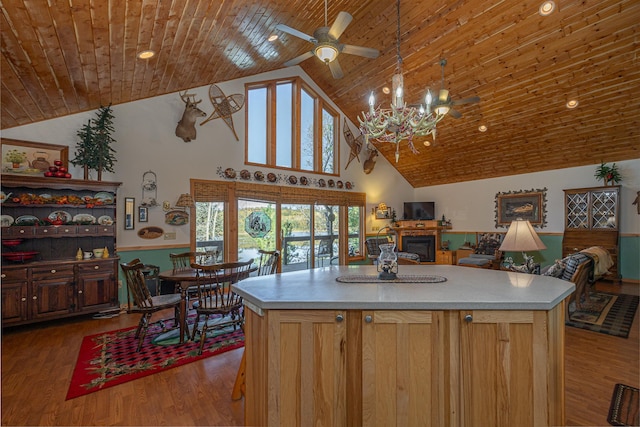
(94, 149)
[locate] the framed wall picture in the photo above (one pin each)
(142, 213)
(528, 205)
(383, 213)
(31, 158)
(129, 209)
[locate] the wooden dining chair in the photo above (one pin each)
(213, 296)
(182, 261)
(143, 302)
(267, 262)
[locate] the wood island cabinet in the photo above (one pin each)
(53, 218)
(405, 368)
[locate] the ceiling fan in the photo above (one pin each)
(443, 104)
(327, 43)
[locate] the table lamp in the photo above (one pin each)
(522, 237)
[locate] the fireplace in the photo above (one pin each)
(425, 246)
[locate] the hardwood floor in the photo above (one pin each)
(37, 362)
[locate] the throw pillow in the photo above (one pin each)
(556, 269)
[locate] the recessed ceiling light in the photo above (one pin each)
(572, 103)
(482, 128)
(547, 8)
(386, 90)
(273, 37)
(146, 54)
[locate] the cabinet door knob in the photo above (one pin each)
(468, 318)
(3, 276)
(80, 292)
(34, 297)
(21, 231)
(339, 318)
(96, 267)
(368, 318)
(53, 271)
(23, 299)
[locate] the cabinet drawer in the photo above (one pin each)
(106, 230)
(67, 230)
(87, 230)
(92, 267)
(47, 273)
(20, 230)
(17, 275)
(45, 231)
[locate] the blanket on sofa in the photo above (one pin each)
(602, 261)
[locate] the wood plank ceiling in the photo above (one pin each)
(61, 57)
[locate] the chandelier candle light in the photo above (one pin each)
(400, 121)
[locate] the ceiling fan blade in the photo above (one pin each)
(336, 70)
(294, 32)
(367, 52)
(340, 24)
(298, 59)
(455, 114)
(471, 100)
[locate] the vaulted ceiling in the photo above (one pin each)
(61, 57)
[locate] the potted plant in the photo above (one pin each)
(15, 157)
(609, 174)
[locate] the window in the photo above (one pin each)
(290, 126)
(310, 227)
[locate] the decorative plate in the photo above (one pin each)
(6, 220)
(84, 219)
(331, 183)
(104, 197)
(245, 174)
(27, 220)
(176, 217)
(3, 196)
(150, 232)
(20, 256)
(339, 184)
(230, 173)
(259, 176)
(271, 177)
(321, 183)
(348, 185)
(293, 180)
(105, 220)
(60, 216)
(304, 180)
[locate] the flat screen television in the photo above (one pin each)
(419, 210)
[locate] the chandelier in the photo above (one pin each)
(401, 121)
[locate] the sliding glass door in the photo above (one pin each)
(256, 228)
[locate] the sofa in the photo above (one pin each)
(486, 253)
(578, 269)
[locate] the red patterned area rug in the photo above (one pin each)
(110, 358)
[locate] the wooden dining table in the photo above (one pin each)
(183, 279)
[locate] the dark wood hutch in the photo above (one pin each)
(54, 218)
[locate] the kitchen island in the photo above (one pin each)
(484, 347)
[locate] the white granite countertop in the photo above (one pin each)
(465, 289)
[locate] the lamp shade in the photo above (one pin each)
(185, 201)
(521, 237)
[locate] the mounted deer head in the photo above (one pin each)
(370, 163)
(186, 128)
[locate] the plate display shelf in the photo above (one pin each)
(58, 216)
(53, 283)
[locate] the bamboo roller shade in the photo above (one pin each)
(217, 191)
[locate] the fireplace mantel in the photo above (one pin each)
(419, 229)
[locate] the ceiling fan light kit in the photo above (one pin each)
(327, 43)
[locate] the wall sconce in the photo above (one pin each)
(382, 211)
